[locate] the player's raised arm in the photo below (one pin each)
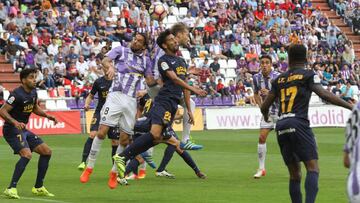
(328, 96)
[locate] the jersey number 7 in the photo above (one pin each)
(285, 100)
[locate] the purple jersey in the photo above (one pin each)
(158, 53)
(261, 82)
(131, 68)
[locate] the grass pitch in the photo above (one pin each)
(229, 159)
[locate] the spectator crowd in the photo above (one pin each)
(66, 40)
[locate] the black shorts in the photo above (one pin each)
(114, 132)
(143, 126)
(163, 112)
(20, 139)
(296, 140)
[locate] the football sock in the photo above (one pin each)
(187, 158)
(18, 171)
(87, 148)
(132, 167)
(311, 186)
(95, 148)
(186, 124)
(113, 151)
(42, 168)
(168, 153)
(262, 155)
(119, 149)
(143, 165)
(295, 191)
(139, 145)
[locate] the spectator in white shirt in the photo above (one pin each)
(61, 66)
(189, 20)
(53, 48)
(82, 66)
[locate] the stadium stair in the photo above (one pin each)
(8, 78)
(338, 21)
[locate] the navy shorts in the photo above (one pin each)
(296, 140)
(163, 112)
(143, 125)
(114, 132)
(20, 139)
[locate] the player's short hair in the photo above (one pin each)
(297, 53)
(26, 72)
(162, 38)
(266, 57)
(178, 28)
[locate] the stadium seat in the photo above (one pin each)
(71, 103)
(6, 94)
(227, 80)
(61, 91)
(223, 71)
(217, 101)
(183, 11)
(81, 103)
(172, 19)
(198, 101)
(53, 93)
(61, 105)
(115, 44)
(228, 101)
(223, 64)
(227, 32)
(50, 105)
(207, 101)
(115, 10)
(103, 44)
(174, 10)
(42, 94)
(315, 99)
(186, 54)
(232, 63)
(231, 73)
(24, 44)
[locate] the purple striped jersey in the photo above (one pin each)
(261, 82)
(352, 147)
(158, 53)
(130, 69)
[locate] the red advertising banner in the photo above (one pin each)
(68, 123)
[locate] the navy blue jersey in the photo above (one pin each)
(101, 86)
(23, 104)
(176, 64)
(293, 88)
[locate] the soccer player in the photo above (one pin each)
(16, 112)
(295, 137)
(173, 72)
(120, 106)
(262, 86)
(101, 86)
(181, 33)
(351, 154)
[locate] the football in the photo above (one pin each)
(158, 11)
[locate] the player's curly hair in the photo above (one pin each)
(178, 28)
(162, 38)
(26, 72)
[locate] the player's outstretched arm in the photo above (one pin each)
(328, 96)
(172, 75)
(4, 113)
(38, 111)
(270, 98)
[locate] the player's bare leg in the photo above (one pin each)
(262, 152)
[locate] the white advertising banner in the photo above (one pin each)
(249, 118)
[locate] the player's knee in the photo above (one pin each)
(114, 142)
(295, 175)
(156, 136)
(102, 132)
(262, 139)
(46, 152)
(26, 154)
(92, 134)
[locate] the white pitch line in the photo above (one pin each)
(38, 199)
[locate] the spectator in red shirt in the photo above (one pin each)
(288, 5)
(259, 13)
(210, 27)
(270, 4)
(220, 87)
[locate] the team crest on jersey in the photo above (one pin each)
(317, 79)
(164, 66)
(103, 118)
(11, 100)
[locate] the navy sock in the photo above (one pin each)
(87, 148)
(42, 168)
(168, 153)
(311, 186)
(18, 171)
(295, 191)
(187, 158)
(139, 145)
(132, 166)
(113, 151)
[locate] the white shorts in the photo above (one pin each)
(119, 110)
(270, 124)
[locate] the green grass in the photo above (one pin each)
(229, 159)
